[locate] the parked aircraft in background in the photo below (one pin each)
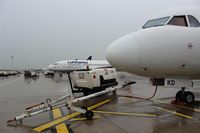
(7, 73)
(72, 65)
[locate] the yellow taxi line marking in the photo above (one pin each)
(123, 113)
(55, 122)
(83, 119)
(99, 104)
(188, 108)
(130, 99)
(62, 128)
(57, 113)
(173, 112)
(67, 117)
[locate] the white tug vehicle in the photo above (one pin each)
(95, 80)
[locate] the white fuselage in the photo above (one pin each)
(160, 51)
(71, 65)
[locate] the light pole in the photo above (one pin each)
(12, 61)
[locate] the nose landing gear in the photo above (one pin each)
(185, 96)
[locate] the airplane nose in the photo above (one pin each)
(124, 52)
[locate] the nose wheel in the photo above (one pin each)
(188, 97)
(179, 96)
(185, 96)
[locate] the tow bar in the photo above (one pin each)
(66, 100)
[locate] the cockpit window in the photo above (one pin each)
(179, 21)
(155, 22)
(193, 21)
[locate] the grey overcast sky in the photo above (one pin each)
(40, 32)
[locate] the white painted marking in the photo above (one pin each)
(9, 82)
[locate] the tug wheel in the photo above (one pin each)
(188, 97)
(89, 115)
(85, 93)
(179, 96)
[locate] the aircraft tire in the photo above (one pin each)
(188, 97)
(179, 96)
